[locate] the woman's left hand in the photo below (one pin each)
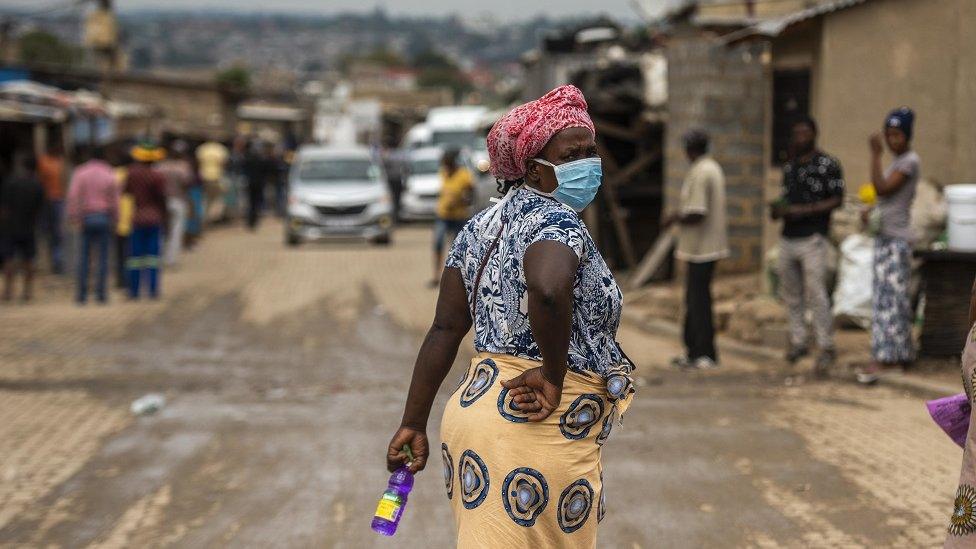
(534, 394)
(866, 215)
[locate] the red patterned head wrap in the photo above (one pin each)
(524, 131)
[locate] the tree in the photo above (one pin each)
(385, 57)
(432, 59)
(46, 48)
(236, 78)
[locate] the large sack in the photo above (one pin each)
(852, 297)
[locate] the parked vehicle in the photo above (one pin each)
(421, 183)
(338, 191)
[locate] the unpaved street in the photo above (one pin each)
(285, 372)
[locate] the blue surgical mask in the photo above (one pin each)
(578, 181)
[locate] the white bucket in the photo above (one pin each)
(962, 217)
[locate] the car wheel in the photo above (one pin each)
(292, 239)
(383, 239)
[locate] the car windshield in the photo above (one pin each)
(455, 139)
(425, 166)
(335, 169)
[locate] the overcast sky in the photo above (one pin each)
(501, 9)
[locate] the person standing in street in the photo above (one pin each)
(178, 173)
(453, 207)
(148, 189)
(702, 242)
(813, 187)
(235, 179)
(21, 203)
(50, 171)
(259, 167)
(93, 199)
(212, 158)
(891, 324)
(123, 227)
(522, 434)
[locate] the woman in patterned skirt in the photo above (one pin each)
(522, 433)
(962, 524)
(891, 325)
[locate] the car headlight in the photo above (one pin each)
(484, 166)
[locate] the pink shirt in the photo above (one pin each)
(92, 191)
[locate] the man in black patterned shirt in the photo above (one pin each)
(813, 186)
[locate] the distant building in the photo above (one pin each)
(366, 76)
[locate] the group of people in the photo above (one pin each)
(132, 204)
(812, 188)
(140, 205)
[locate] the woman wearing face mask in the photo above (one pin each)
(522, 433)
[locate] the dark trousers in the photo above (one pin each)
(255, 203)
(144, 259)
(281, 199)
(121, 256)
(95, 233)
(52, 221)
(699, 330)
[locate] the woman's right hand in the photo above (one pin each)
(876, 143)
(535, 394)
(416, 439)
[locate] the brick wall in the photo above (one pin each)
(721, 91)
(182, 109)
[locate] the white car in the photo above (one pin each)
(421, 183)
(335, 191)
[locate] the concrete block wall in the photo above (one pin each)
(721, 91)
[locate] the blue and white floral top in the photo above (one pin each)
(502, 318)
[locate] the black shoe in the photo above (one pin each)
(796, 353)
(825, 361)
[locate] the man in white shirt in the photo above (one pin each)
(702, 241)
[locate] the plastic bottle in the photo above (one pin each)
(394, 499)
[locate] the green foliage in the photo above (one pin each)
(385, 57)
(236, 78)
(45, 48)
(432, 59)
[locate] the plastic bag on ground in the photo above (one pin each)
(852, 296)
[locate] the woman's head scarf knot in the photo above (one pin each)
(523, 132)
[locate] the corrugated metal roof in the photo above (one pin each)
(773, 27)
(776, 26)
